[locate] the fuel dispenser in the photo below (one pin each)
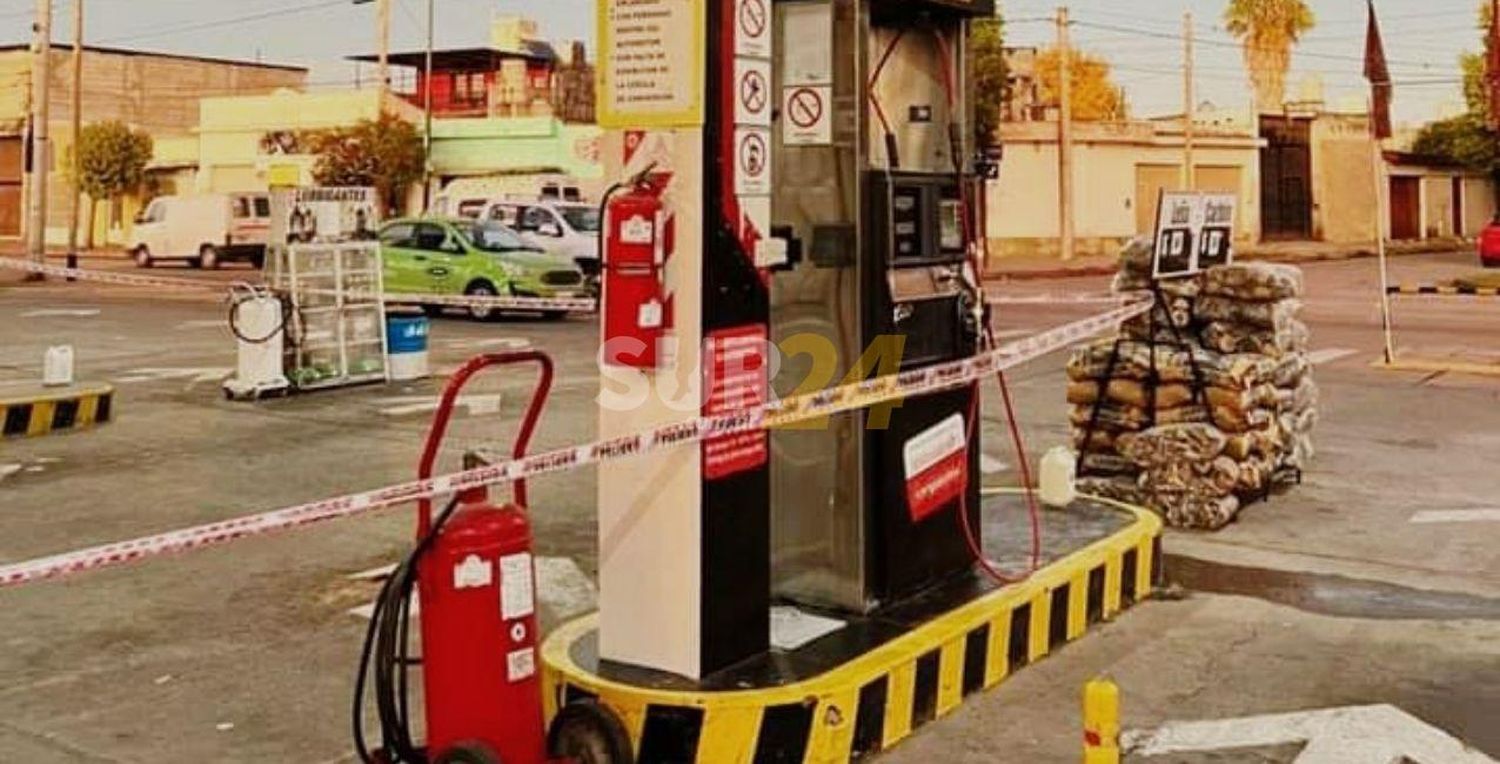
(871, 150)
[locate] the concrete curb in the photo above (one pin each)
(1086, 271)
(39, 411)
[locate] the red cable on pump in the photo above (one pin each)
(966, 225)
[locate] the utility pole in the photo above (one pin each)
(427, 107)
(36, 212)
(1189, 102)
(383, 43)
(1065, 136)
(73, 216)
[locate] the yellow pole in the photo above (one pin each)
(1101, 722)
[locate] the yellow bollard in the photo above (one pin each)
(1101, 722)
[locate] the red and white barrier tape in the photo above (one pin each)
(570, 304)
(105, 277)
(1092, 298)
(779, 413)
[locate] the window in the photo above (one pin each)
(262, 207)
(398, 235)
(469, 90)
(506, 214)
(535, 218)
(470, 208)
(431, 237)
(155, 213)
(241, 207)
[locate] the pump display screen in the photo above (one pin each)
(950, 222)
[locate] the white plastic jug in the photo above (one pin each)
(57, 366)
(1059, 485)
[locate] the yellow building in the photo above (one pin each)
(249, 143)
(1119, 169)
(154, 92)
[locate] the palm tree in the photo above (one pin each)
(1267, 30)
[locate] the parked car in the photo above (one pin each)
(1489, 244)
(480, 258)
(569, 228)
(203, 230)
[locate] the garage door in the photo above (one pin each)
(10, 186)
(1150, 179)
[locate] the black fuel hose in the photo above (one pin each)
(384, 658)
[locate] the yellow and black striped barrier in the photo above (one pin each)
(1444, 291)
(73, 408)
(881, 696)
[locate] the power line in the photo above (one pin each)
(226, 22)
(1237, 45)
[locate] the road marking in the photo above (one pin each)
(562, 587)
(1329, 355)
(192, 375)
(477, 405)
(989, 465)
(509, 343)
(1427, 516)
(1345, 735)
(61, 313)
(6, 470)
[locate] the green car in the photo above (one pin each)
(458, 256)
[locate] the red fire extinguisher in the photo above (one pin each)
(639, 233)
(480, 670)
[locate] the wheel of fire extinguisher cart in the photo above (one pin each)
(468, 753)
(588, 733)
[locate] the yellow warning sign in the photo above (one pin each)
(651, 63)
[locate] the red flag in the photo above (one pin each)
(1379, 75)
(1492, 70)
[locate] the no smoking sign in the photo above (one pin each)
(752, 29)
(806, 109)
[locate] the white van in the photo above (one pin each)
(570, 229)
(203, 230)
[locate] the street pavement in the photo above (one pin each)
(1341, 592)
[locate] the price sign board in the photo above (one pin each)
(1193, 231)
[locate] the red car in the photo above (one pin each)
(1489, 245)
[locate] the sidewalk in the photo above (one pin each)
(1042, 267)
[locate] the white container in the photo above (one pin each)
(57, 366)
(1059, 471)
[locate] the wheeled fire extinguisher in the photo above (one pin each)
(481, 676)
(639, 234)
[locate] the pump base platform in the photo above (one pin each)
(868, 685)
(28, 409)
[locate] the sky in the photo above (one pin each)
(1423, 39)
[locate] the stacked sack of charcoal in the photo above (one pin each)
(1185, 473)
(1112, 405)
(1252, 309)
(1205, 400)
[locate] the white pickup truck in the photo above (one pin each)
(203, 230)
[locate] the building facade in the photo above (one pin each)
(1119, 171)
(154, 92)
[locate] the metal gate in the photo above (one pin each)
(1286, 178)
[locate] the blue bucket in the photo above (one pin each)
(406, 334)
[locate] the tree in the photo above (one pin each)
(112, 160)
(1467, 139)
(1093, 94)
(1267, 30)
(990, 83)
(384, 153)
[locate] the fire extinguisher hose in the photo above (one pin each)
(384, 660)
